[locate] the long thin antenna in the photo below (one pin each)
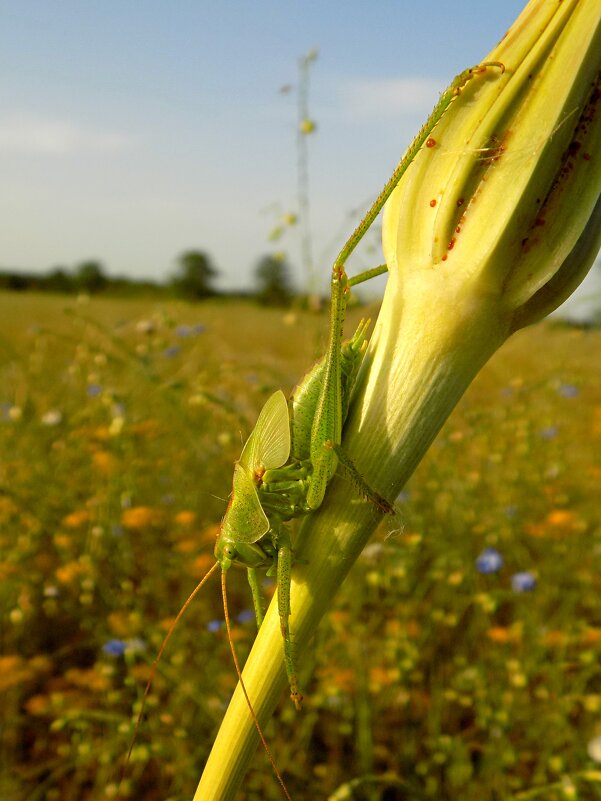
(242, 685)
(153, 669)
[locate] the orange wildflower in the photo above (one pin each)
(6, 570)
(189, 545)
(555, 638)
(38, 705)
(499, 634)
(62, 540)
(141, 517)
(591, 636)
(185, 517)
(14, 670)
(104, 462)
(505, 634)
(76, 519)
(561, 517)
(68, 572)
(89, 679)
(382, 677)
(201, 564)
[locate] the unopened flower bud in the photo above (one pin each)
(504, 199)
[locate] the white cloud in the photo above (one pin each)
(36, 134)
(388, 97)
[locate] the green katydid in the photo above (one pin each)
(283, 472)
(295, 448)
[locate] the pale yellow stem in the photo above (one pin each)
(409, 388)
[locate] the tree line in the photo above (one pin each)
(194, 279)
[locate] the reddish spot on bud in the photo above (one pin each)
(433, 202)
(445, 257)
(451, 244)
(586, 156)
(538, 222)
(458, 229)
(430, 142)
(460, 202)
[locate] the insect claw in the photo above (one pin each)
(384, 505)
(297, 699)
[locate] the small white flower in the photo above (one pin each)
(145, 327)
(53, 417)
(593, 748)
(15, 413)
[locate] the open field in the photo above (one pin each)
(438, 675)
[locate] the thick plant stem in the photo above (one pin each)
(393, 421)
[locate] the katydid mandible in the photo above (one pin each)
(295, 448)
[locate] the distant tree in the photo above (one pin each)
(195, 275)
(273, 281)
(59, 280)
(90, 277)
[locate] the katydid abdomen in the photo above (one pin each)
(305, 398)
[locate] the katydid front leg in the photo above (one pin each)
(255, 590)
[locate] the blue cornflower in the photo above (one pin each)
(94, 390)
(245, 616)
(183, 331)
(489, 561)
(568, 391)
(171, 352)
(523, 582)
(214, 625)
(199, 328)
(549, 433)
(114, 647)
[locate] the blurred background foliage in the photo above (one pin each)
(462, 656)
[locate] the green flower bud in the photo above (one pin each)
(504, 200)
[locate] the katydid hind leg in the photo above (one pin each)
(363, 487)
(283, 580)
(327, 425)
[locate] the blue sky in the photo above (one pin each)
(132, 131)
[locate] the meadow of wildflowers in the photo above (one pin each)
(463, 656)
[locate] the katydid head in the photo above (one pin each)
(230, 552)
